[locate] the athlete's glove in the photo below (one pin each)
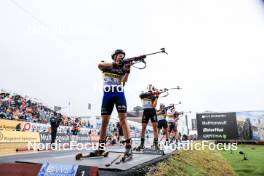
(127, 68)
(117, 64)
(156, 94)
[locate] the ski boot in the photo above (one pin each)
(141, 146)
(100, 152)
(155, 145)
(128, 153)
(167, 143)
(172, 140)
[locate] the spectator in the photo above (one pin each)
(16, 107)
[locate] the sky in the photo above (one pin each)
(50, 49)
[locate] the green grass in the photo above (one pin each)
(213, 163)
(194, 163)
(254, 166)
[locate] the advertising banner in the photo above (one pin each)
(53, 169)
(244, 125)
(64, 138)
(217, 126)
(250, 125)
(8, 124)
(18, 136)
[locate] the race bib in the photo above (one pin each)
(111, 81)
(147, 103)
(161, 117)
(170, 120)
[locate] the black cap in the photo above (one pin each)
(117, 51)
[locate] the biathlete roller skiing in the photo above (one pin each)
(149, 103)
(162, 122)
(162, 116)
(115, 77)
(173, 117)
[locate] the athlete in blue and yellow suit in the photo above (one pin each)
(115, 76)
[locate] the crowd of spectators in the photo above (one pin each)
(17, 107)
(22, 108)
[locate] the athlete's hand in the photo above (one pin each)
(127, 67)
(117, 64)
(165, 89)
(156, 94)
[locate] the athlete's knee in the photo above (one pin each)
(122, 115)
(122, 119)
(144, 126)
(105, 120)
(155, 130)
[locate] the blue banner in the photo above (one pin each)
(49, 169)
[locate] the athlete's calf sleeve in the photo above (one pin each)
(128, 142)
(142, 141)
(155, 141)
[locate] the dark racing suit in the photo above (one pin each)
(149, 113)
(113, 91)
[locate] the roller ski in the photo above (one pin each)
(173, 140)
(127, 156)
(124, 159)
(95, 154)
(139, 148)
(99, 153)
(114, 160)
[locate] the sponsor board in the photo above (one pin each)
(243, 125)
(250, 125)
(64, 138)
(35, 127)
(18, 136)
(51, 169)
(217, 126)
(9, 124)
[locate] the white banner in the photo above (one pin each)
(38, 127)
